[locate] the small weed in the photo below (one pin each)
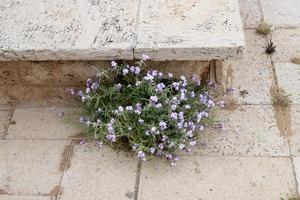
(244, 93)
(282, 99)
(263, 28)
(296, 60)
(270, 48)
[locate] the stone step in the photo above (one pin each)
(120, 29)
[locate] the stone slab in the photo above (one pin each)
(15, 197)
(218, 178)
(67, 30)
(253, 73)
(250, 12)
(31, 167)
(45, 123)
(294, 138)
(99, 174)
(189, 30)
(249, 131)
(105, 30)
(287, 42)
(4, 122)
(282, 13)
(296, 162)
(288, 75)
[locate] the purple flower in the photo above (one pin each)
(145, 57)
(119, 86)
(153, 130)
(138, 83)
(153, 99)
(149, 78)
(120, 109)
(170, 75)
(192, 94)
(152, 149)
(125, 71)
(173, 107)
(193, 143)
(113, 64)
(137, 70)
(129, 108)
(181, 146)
(132, 69)
(111, 137)
(99, 144)
(175, 85)
(141, 121)
(159, 105)
(162, 125)
(95, 86)
(174, 115)
(141, 154)
(188, 107)
(160, 87)
(161, 146)
(82, 141)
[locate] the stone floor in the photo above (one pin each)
(257, 156)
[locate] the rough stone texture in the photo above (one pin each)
(282, 13)
(218, 178)
(4, 121)
(99, 173)
(67, 30)
(288, 75)
(61, 73)
(189, 30)
(8, 75)
(105, 30)
(249, 131)
(296, 162)
(253, 73)
(45, 123)
(179, 68)
(14, 197)
(250, 12)
(30, 167)
(25, 96)
(294, 139)
(287, 42)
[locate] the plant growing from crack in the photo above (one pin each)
(263, 28)
(151, 113)
(280, 98)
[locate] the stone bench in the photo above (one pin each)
(120, 29)
(47, 46)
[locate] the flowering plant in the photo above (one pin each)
(152, 113)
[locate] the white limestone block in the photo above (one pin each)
(190, 30)
(67, 29)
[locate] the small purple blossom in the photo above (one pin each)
(162, 125)
(125, 71)
(111, 137)
(129, 108)
(82, 142)
(159, 105)
(153, 99)
(114, 64)
(145, 57)
(174, 115)
(99, 144)
(152, 150)
(141, 121)
(160, 87)
(119, 86)
(170, 75)
(141, 154)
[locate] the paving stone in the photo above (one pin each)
(250, 12)
(249, 131)
(14, 197)
(216, 178)
(287, 42)
(294, 139)
(253, 73)
(45, 123)
(282, 13)
(296, 162)
(67, 30)
(189, 30)
(288, 75)
(4, 121)
(31, 167)
(99, 173)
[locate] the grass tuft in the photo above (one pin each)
(263, 28)
(281, 99)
